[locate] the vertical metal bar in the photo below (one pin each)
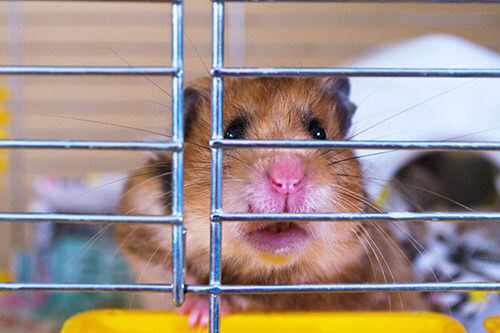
(216, 200)
(178, 231)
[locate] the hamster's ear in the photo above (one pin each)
(338, 89)
(195, 93)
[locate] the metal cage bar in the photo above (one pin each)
(380, 1)
(257, 289)
(216, 182)
(392, 217)
(88, 218)
(378, 145)
(104, 0)
(217, 144)
(86, 70)
(353, 72)
(176, 146)
(178, 231)
(72, 144)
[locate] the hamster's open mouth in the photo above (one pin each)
(277, 237)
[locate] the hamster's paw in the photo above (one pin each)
(197, 306)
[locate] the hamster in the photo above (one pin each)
(268, 180)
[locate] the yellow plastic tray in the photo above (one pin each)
(139, 321)
(492, 324)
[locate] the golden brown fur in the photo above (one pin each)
(346, 252)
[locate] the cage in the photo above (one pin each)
(130, 40)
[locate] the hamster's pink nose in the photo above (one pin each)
(286, 176)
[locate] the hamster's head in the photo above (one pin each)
(276, 180)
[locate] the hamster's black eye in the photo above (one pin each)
(316, 131)
(236, 129)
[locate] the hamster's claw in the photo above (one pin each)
(198, 309)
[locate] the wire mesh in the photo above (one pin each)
(177, 286)
(218, 71)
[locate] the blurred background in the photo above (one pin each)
(123, 108)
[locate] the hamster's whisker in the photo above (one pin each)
(384, 182)
(361, 156)
(407, 198)
(344, 200)
(197, 53)
(358, 197)
(206, 125)
(410, 238)
(289, 114)
(412, 107)
(165, 265)
(125, 193)
(128, 63)
(439, 195)
(291, 48)
(389, 271)
(384, 259)
(331, 153)
(168, 107)
(186, 185)
(197, 145)
(421, 250)
(373, 92)
(148, 262)
(473, 133)
(250, 46)
(95, 188)
(122, 243)
(418, 247)
(241, 162)
(100, 122)
(371, 244)
(392, 243)
(360, 235)
(83, 249)
(142, 273)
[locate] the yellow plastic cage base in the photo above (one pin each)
(492, 324)
(134, 321)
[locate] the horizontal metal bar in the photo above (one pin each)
(258, 289)
(95, 0)
(86, 70)
(100, 0)
(394, 216)
(89, 218)
(346, 288)
(86, 287)
(364, 72)
(367, 1)
(406, 145)
(69, 144)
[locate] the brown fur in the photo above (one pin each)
(345, 252)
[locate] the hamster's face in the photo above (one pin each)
(276, 180)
